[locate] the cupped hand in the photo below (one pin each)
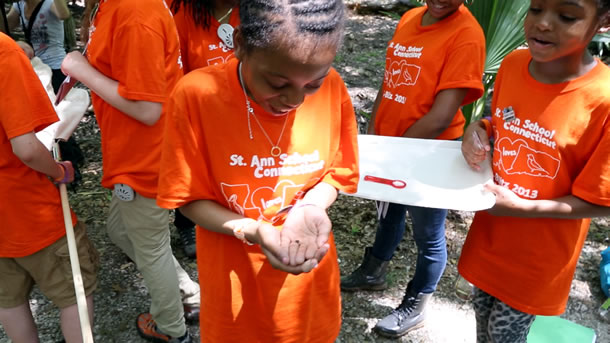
(305, 267)
(304, 235)
(268, 237)
(475, 146)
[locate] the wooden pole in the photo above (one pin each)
(79, 289)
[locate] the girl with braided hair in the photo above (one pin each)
(255, 151)
(205, 28)
(550, 136)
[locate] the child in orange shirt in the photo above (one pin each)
(551, 132)
(206, 31)
(255, 151)
(434, 65)
(202, 27)
(133, 64)
(33, 245)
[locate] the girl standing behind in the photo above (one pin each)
(434, 65)
(42, 22)
(551, 132)
(255, 151)
(205, 28)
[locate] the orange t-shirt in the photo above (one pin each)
(135, 43)
(424, 60)
(557, 145)
(201, 47)
(208, 154)
(30, 207)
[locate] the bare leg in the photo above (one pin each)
(70, 322)
(19, 324)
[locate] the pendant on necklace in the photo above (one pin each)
(225, 33)
(276, 151)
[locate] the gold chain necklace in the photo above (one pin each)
(226, 15)
(275, 149)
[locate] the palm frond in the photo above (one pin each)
(502, 23)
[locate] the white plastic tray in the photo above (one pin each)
(429, 173)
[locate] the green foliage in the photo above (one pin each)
(339, 58)
(502, 22)
(600, 45)
(365, 114)
(392, 15)
(415, 3)
(70, 34)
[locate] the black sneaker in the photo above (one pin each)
(187, 237)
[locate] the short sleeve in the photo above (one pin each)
(138, 61)
(464, 68)
(184, 176)
(24, 104)
(593, 183)
(343, 173)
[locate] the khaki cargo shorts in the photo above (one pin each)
(50, 269)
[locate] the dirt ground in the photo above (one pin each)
(121, 294)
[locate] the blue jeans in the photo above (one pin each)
(429, 236)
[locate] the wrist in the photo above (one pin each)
(301, 204)
(67, 172)
(61, 174)
(246, 230)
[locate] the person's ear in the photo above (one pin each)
(239, 43)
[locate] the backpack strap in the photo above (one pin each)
(21, 18)
(5, 19)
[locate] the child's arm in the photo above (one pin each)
(77, 66)
(567, 207)
(438, 119)
(13, 20)
(60, 9)
(34, 155)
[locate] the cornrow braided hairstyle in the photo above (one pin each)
(200, 10)
(265, 23)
